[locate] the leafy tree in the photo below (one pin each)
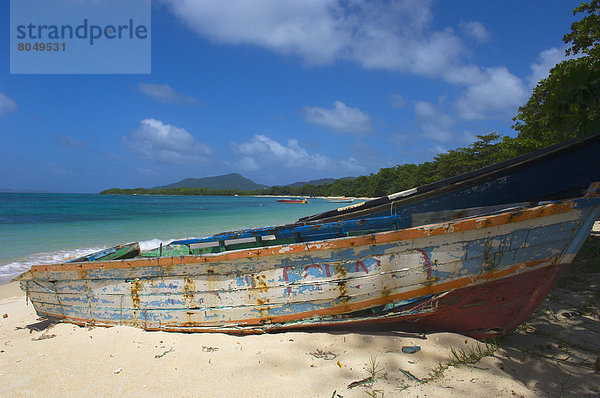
(564, 105)
(567, 103)
(585, 34)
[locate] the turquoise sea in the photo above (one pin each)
(48, 228)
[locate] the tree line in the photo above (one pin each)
(563, 106)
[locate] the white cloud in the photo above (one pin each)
(6, 104)
(437, 149)
(390, 35)
(435, 124)
(476, 30)
(340, 119)
(263, 151)
(350, 164)
(263, 148)
(300, 27)
(165, 94)
(546, 61)
(166, 143)
(497, 95)
(248, 163)
(465, 75)
(397, 36)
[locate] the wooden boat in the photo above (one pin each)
(481, 275)
(337, 200)
(561, 171)
(292, 200)
(120, 252)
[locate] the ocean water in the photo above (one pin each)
(49, 228)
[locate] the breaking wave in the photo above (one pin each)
(16, 267)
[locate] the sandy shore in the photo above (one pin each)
(550, 355)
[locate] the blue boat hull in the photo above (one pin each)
(558, 172)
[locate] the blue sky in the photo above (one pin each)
(281, 91)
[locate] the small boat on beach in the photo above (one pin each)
(480, 272)
(302, 201)
(560, 171)
(120, 252)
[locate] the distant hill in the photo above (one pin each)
(322, 181)
(227, 181)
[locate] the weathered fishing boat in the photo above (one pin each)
(129, 250)
(481, 275)
(558, 172)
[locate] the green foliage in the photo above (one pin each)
(567, 103)
(464, 357)
(481, 153)
(564, 105)
(585, 34)
(177, 191)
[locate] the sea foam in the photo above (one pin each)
(15, 268)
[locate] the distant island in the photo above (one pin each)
(233, 181)
(227, 185)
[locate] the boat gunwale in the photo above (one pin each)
(423, 192)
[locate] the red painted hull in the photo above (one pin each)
(482, 311)
(491, 309)
(291, 201)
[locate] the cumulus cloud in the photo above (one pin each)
(6, 104)
(290, 155)
(66, 141)
(397, 36)
(262, 150)
(546, 61)
(497, 95)
(166, 143)
(340, 119)
(475, 30)
(391, 35)
(165, 94)
(435, 124)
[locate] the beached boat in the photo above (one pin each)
(121, 252)
(561, 171)
(480, 275)
(292, 200)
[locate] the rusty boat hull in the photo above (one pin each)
(481, 276)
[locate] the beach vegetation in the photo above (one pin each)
(464, 357)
